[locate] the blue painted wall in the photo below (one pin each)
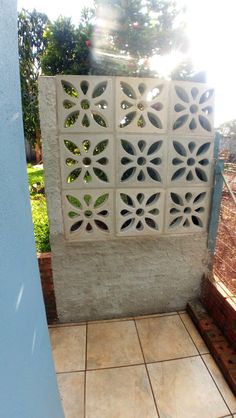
(27, 378)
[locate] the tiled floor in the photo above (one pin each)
(145, 367)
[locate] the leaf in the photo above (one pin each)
(177, 199)
(100, 147)
(99, 89)
(71, 119)
(207, 95)
(74, 175)
(69, 89)
(76, 226)
(99, 119)
(128, 147)
(154, 147)
(72, 147)
(153, 199)
(203, 148)
(154, 174)
(101, 225)
(127, 200)
(179, 148)
(205, 124)
(155, 121)
(100, 174)
(180, 121)
(128, 90)
(101, 200)
(74, 201)
(182, 94)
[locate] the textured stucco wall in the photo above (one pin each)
(116, 278)
(126, 277)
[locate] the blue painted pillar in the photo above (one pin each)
(27, 379)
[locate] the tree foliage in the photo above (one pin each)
(67, 49)
(32, 43)
(127, 33)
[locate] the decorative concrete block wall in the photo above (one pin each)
(128, 173)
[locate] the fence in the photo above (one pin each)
(225, 254)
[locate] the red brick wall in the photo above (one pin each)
(45, 268)
(221, 305)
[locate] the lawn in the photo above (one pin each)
(39, 208)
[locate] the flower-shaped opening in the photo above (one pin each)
(140, 160)
(86, 103)
(193, 108)
(139, 211)
(141, 106)
(87, 160)
(190, 161)
(187, 210)
(88, 214)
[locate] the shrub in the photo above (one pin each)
(39, 209)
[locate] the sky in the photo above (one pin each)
(212, 37)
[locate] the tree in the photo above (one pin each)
(68, 47)
(128, 33)
(32, 43)
(118, 37)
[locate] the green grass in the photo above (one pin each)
(35, 175)
(39, 208)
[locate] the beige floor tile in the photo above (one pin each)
(184, 389)
(227, 394)
(113, 344)
(68, 348)
(71, 388)
(119, 393)
(164, 338)
(197, 339)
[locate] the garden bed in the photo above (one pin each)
(41, 233)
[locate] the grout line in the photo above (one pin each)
(105, 321)
(108, 321)
(73, 324)
(172, 359)
(201, 356)
(149, 379)
(216, 383)
(71, 371)
(189, 333)
(115, 367)
(85, 373)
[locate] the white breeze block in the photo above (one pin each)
(192, 109)
(88, 215)
(190, 161)
(142, 148)
(187, 210)
(139, 211)
(85, 103)
(141, 105)
(86, 160)
(141, 160)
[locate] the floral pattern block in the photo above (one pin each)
(86, 160)
(84, 103)
(139, 212)
(187, 210)
(193, 106)
(190, 161)
(87, 215)
(140, 160)
(141, 105)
